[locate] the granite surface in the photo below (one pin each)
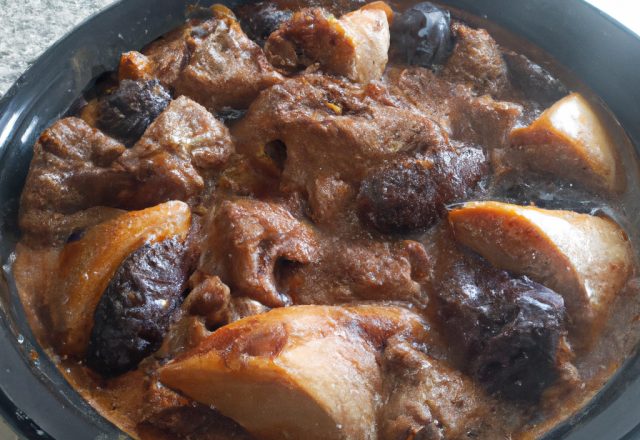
(29, 27)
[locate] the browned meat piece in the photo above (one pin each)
(535, 82)
(411, 195)
(476, 60)
(250, 243)
(167, 56)
(331, 128)
(70, 172)
(211, 299)
(208, 297)
(465, 117)
(483, 121)
(355, 46)
(208, 59)
(227, 69)
(509, 332)
(181, 145)
(126, 113)
(330, 200)
(426, 399)
(132, 317)
(352, 272)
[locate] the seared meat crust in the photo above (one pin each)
(249, 241)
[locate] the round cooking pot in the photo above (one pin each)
(35, 398)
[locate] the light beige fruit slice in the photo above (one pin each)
(570, 140)
(304, 372)
(584, 258)
(87, 265)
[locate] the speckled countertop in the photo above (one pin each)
(29, 27)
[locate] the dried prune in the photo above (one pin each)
(411, 195)
(126, 113)
(509, 329)
(422, 35)
(535, 82)
(259, 20)
(133, 314)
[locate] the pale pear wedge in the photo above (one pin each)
(571, 141)
(87, 265)
(302, 372)
(584, 258)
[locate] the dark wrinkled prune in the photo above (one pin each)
(509, 329)
(260, 20)
(133, 314)
(535, 82)
(126, 113)
(422, 35)
(409, 196)
(229, 116)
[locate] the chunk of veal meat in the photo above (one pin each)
(212, 61)
(227, 70)
(411, 195)
(211, 299)
(126, 113)
(248, 241)
(70, 172)
(182, 144)
(476, 60)
(480, 121)
(331, 128)
(286, 373)
(208, 306)
(349, 272)
(508, 331)
(166, 57)
(355, 46)
(132, 317)
(425, 399)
